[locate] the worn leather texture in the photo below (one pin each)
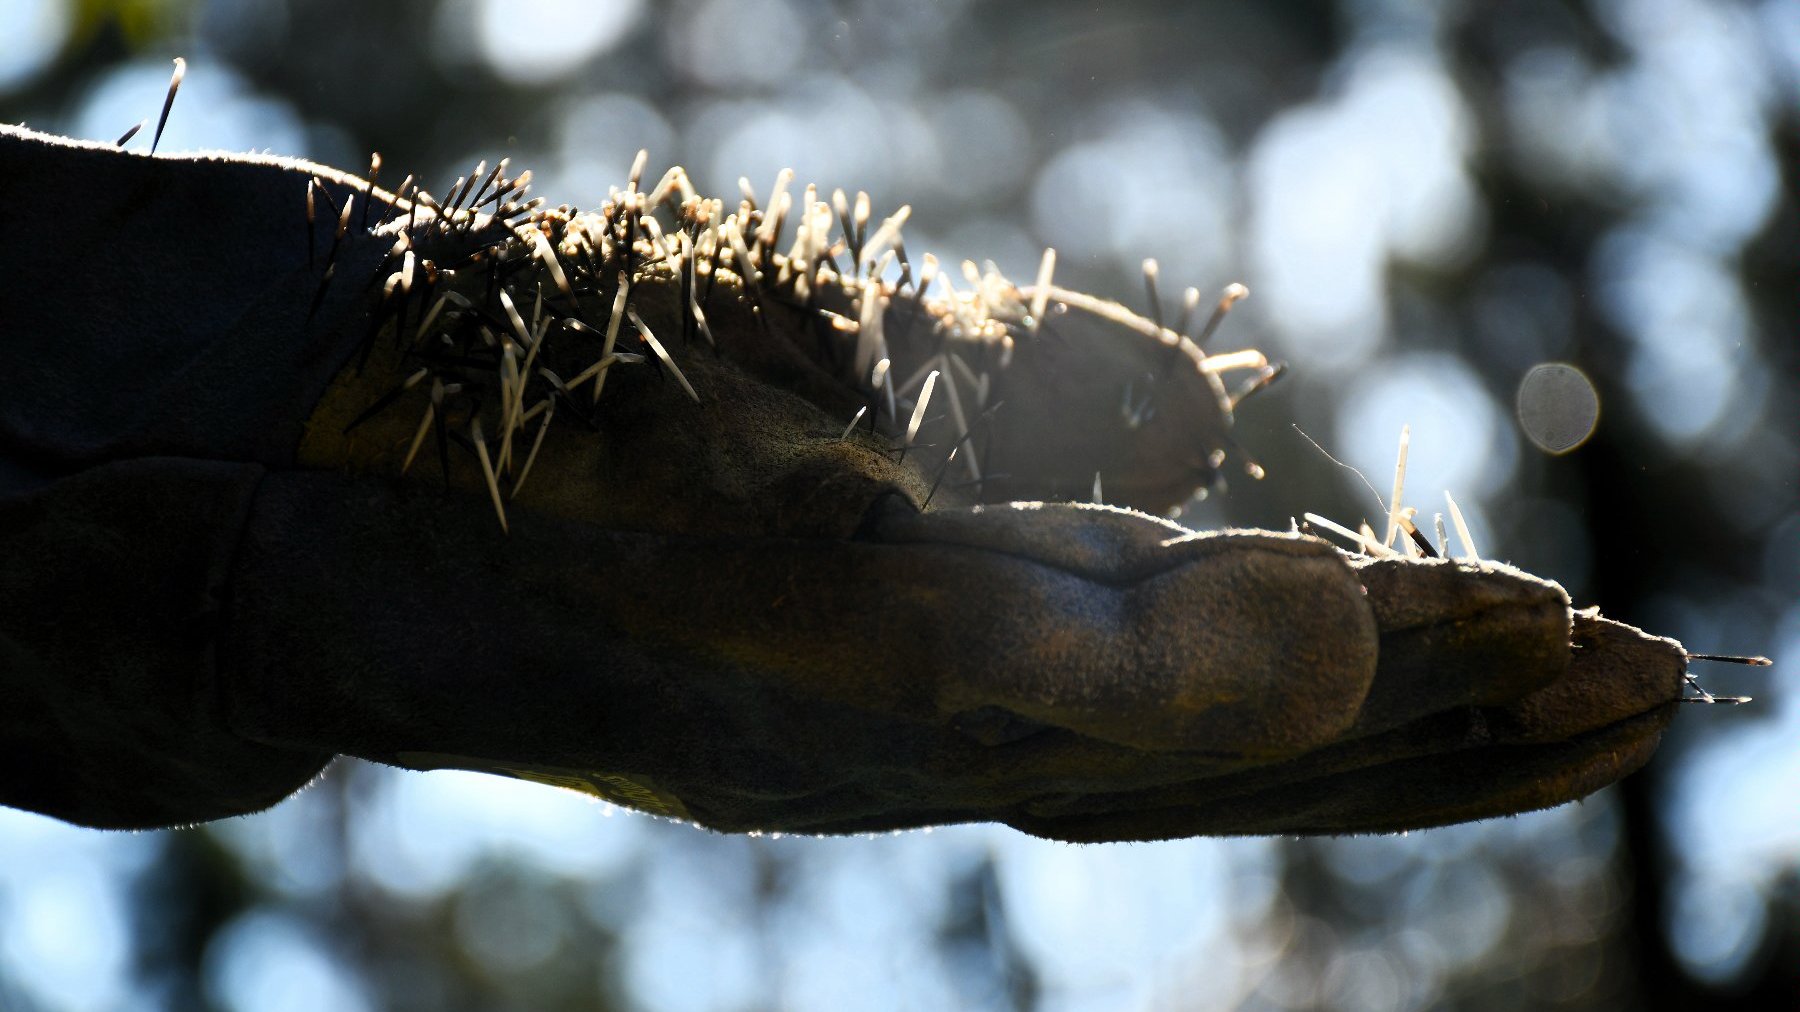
(718, 608)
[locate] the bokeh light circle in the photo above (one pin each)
(1558, 407)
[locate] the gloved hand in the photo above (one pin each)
(722, 607)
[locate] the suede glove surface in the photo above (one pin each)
(214, 578)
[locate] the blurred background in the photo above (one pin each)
(1426, 200)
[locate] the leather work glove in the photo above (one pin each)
(573, 499)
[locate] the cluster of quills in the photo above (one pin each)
(511, 313)
(1403, 538)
